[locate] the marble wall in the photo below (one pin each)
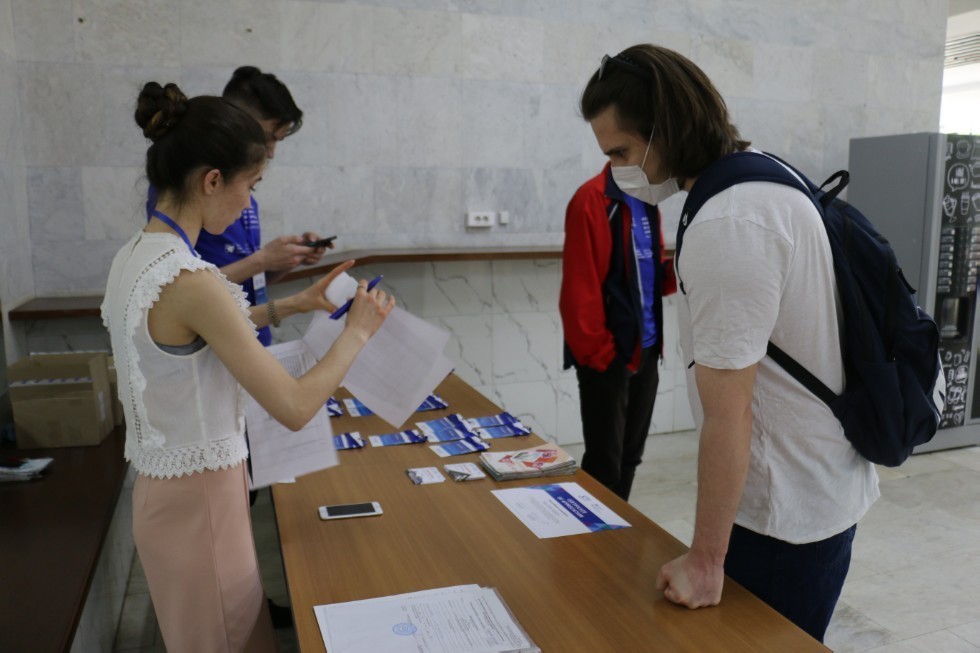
(419, 110)
(416, 112)
(16, 266)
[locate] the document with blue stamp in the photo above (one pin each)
(559, 509)
(460, 619)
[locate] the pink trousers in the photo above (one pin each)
(194, 538)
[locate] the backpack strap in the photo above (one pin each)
(738, 168)
(742, 167)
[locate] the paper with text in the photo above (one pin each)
(463, 619)
(398, 367)
(278, 454)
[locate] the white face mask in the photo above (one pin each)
(633, 181)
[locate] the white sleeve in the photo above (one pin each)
(734, 272)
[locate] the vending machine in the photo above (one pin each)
(922, 192)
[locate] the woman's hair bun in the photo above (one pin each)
(245, 73)
(159, 108)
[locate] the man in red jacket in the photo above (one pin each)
(613, 280)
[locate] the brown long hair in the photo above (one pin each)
(659, 91)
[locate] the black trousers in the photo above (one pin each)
(617, 407)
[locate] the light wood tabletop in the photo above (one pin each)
(590, 593)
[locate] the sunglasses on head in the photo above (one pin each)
(624, 63)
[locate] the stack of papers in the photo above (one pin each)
(503, 425)
(544, 460)
(27, 469)
(460, 619)
(358, 409)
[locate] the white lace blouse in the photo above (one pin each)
(184, 414)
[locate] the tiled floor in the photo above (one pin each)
(914, 583)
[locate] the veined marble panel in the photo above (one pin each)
(43, 30)
(214, 34)
(533, 403)
(414, 42)
(421, 200)
(553, 128)
(361, 117)
(526, 286)
(519, 191)
(55, 209)
(114, 202)
(572, 53)
(81, 334)
(457, 288)
(110, 31)
(428, 116)
(62, 109)
(11, 137)
(7, 48)
(568, 428)
(65, 268)
(526, 347)
(16, 270)
(728, 63)
(311, 145)
(783, 72)
(328, 199)
(323, 36)
(493, 123)
(470, 346)
(522, 59)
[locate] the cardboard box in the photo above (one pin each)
(61, 400)
(117, 408)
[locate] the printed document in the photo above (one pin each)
(559, 509)
(397, 369)
(461, 619)
(278, 454)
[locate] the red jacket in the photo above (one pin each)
(600, 296)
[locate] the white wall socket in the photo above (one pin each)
(481, 219)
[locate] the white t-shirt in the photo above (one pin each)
(756, 265)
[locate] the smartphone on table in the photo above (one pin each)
(348, 510)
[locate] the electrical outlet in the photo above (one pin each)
(481, 219)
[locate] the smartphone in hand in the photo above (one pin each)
(323, 242)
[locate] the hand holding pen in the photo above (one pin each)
(368, 309)
(339, 313)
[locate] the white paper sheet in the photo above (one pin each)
(559, 509)
(278, 454)
(463, 619)
(397, 369)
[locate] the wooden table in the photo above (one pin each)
(588, 593)
(51, 534)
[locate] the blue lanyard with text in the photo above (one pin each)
(176, 227)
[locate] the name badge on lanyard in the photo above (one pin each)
(258, 285)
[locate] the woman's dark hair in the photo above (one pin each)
(263, 95)
(190, 134)
(653, 88)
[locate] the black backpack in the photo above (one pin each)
(894, 386)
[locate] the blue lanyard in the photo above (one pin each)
(176, 227)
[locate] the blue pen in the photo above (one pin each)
(339, 313)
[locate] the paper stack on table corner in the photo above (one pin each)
(398, 368)
(460, 619)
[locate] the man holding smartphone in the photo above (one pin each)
(239, 251)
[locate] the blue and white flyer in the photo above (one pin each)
(559, 509)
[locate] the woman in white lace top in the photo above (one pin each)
(186, 349)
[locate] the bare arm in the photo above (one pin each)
(199, 303)
(696, 578)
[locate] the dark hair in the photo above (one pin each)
(263, 95)
(653, 88)
(189, 134)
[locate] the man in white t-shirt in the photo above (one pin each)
(780, 489)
